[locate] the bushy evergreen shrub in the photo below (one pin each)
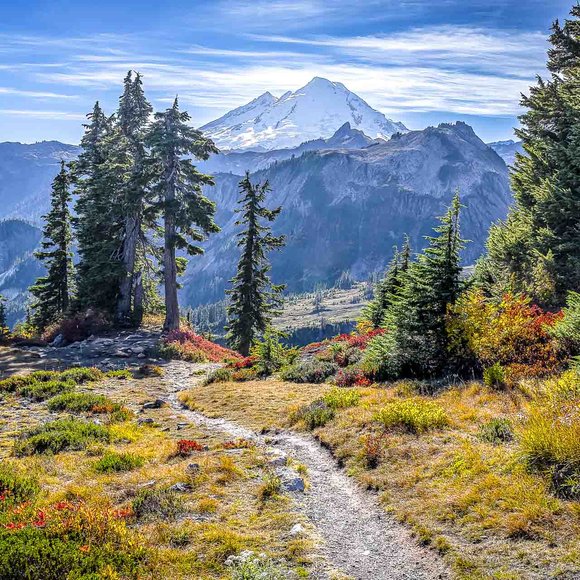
(309, 370)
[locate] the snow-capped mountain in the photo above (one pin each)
(507, 150)
(315, 111)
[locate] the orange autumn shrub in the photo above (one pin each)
(511, 332)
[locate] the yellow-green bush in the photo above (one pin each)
(341, 398)
(415, 415)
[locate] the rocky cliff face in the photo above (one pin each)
(345, 209)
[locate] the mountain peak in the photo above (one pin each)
(315, 111)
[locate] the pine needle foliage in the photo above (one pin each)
(254, 300)
(537, 249)
(52, 293)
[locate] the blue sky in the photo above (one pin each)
(418, 61)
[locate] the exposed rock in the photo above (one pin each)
(58, 341)
(293, 484)
(156, 404)
(193, 468)
(181, 487)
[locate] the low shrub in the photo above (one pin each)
(45, 390)
(78, 327)
(494, 376)
(567, 329)
(269, 354)
(80, 375)
(247, 566)
(186, 447)
(60, 435)
(149, 370)
(566, 387)
(186, 345)
(353, 377)
(550, 442)
(222, 375)
(113, 462)
(89, 403)
(497, 431)
(372, 449)
(151, 504)
(316, 414)
(67, 540)
(244, 375)
(15, 485)
(270, 487)
(340, 398)
(240, 443)
(244, 363)
(414, 415)
(16, 382)
(309, 370)
(121, 374)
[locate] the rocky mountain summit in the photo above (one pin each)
(316, 110)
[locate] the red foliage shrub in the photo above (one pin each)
(352, 378)
(186, 447)
(78, 327)
(186, 345)
(245, 363)
(238, 444)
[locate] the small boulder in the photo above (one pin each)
(58, 341)
(145, 421)
(181, 487)
(280, 461)
(193, 468)
(293, 484)
(156, 404)
(297, 530)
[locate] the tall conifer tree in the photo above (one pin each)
(100, 177)
(253, 298)
(133, 118)
(188, 216)
(537, 249)
(52, 292)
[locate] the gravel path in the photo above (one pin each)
(359, 538)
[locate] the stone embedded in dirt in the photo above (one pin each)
(156, 404)
(280, 461)
(297, 529)
(181, 426)
(193, 468)
(137, 350)
(121, 354)
(293, 484)
(181, 487)
(145, 421)
(141, 355)
(58, 341)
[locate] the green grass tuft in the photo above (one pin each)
(414, 415)
(114, 462)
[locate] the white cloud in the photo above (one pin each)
(34, 94)
(56, 115)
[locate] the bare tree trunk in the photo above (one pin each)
(170, 272)
(129, 253)
(138, 299)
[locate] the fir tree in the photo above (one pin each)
(52, 292)
(253, 298)
(387, 288)
(100, 174)
(133, 117)
(537, 249)
(415, 343)
(3, 322)
(187, 215)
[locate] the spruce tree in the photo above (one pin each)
(387, 288)
(100, 177)
(188, 216)
(52, 292)
(3, 323)
(537, 249)
(415, 342)
(133, 117)
(253, 298)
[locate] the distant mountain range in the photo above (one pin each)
(507, 150)
(315, 111)
(344, 209)
(348, 191)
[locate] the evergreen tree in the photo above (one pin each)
(3, 322)
(133, 117)
(100, 175)
(415, 343)
(188, 216)
(253, 298)
(52, 292)
(537, 249)
(387, 288)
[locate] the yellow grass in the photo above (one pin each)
(477, 503)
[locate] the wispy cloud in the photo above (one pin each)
(56, 115)
(34, 94)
